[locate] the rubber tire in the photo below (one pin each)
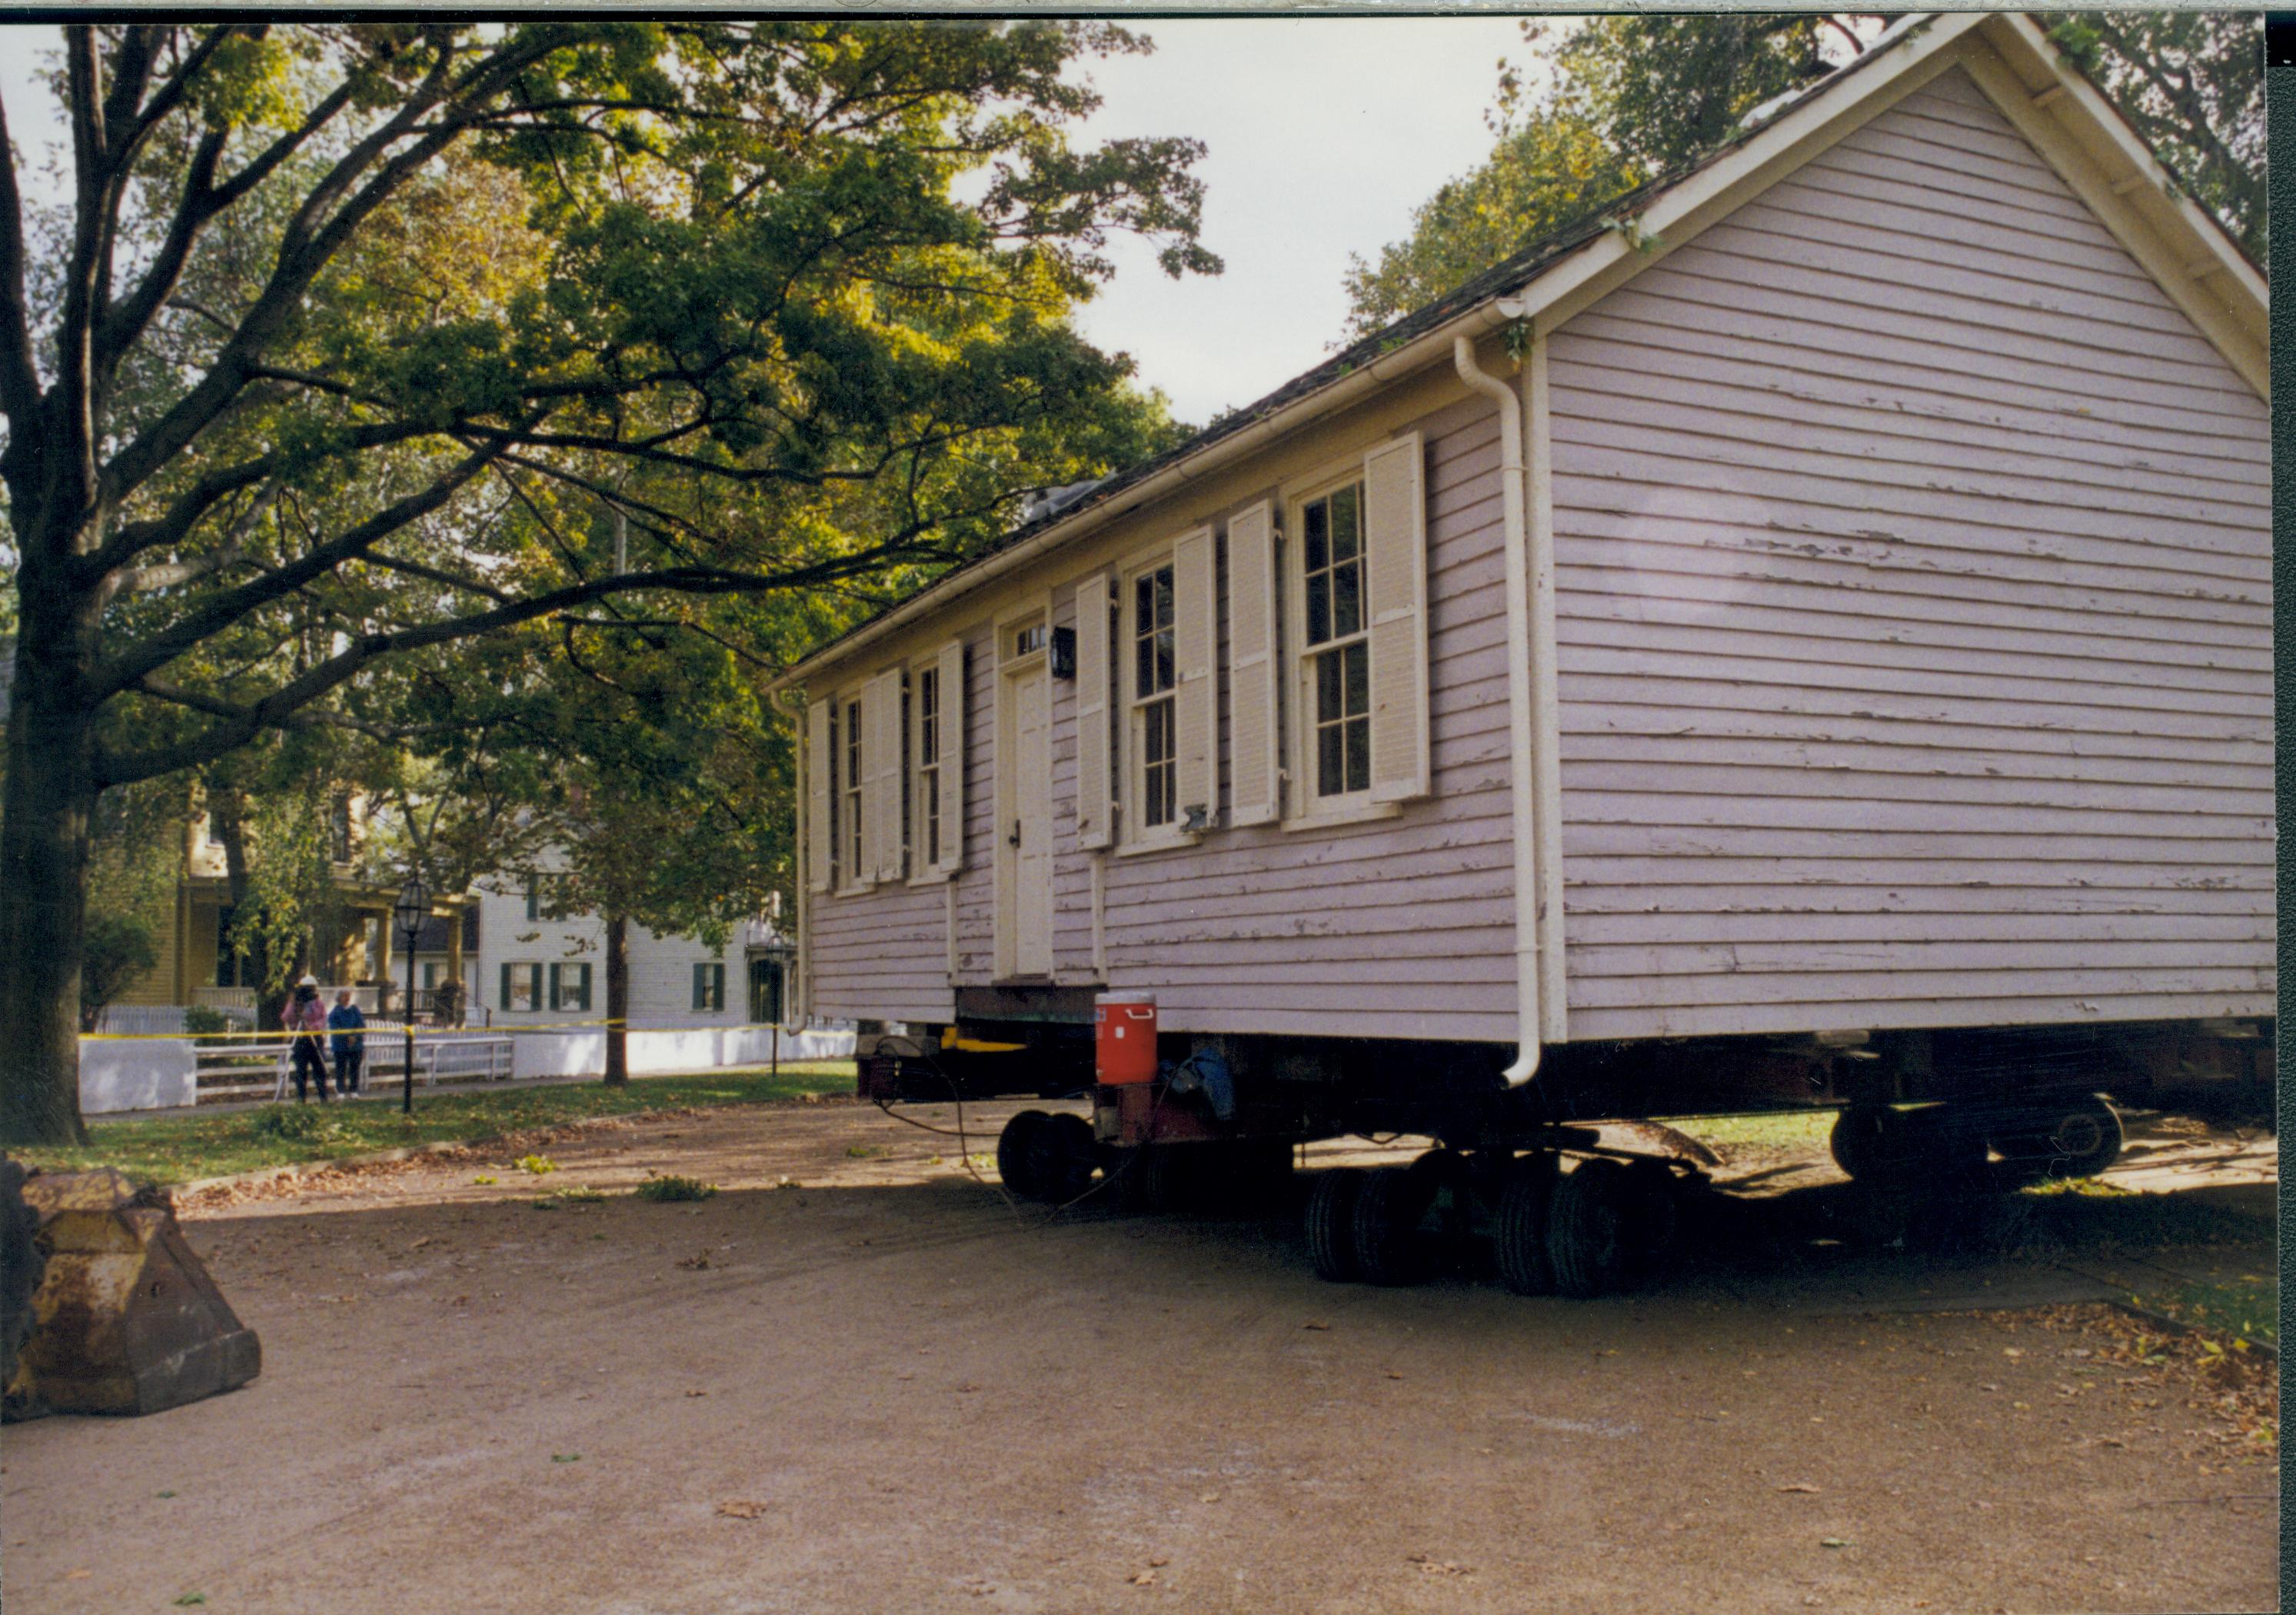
(2084, 1138)
(22, 1265)
(1331, 1223)
(1864, 1139)
(1590, 1233)
(1020, 1153)
(1066, 1154)
(1518, 1237)
(1390, 1246)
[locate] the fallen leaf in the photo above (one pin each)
(1210, 1497)
(1393, 1376)
(191, 1598)
(2010, 1351)
(1146, 1578)
(566, 1458)
(419, 1243)
(1799, 1485)
(78, 1575)
(1988, 1385)
(697, 1393)
(694, 1263)
(1834, 1541)
(1315, 1325)
(741, 1510)
(1159, 1563)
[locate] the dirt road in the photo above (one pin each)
(883, 1389)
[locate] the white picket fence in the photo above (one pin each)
(229, 1072)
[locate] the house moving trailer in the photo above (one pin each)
(1802, 638)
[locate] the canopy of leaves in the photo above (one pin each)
(329, 306)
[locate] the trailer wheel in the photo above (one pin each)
(2083, 1137)
(1590, 1229)
(1865, 1140)
(1519, 1239)
(1392, 1204)
(1020, 1153)
(1065, 1156)
(1331, 1223)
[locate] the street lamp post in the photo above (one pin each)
(413, 907)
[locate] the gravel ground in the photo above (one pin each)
(857, 1379)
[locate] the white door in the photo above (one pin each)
(1024, 852)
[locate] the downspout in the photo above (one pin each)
(1520, 778)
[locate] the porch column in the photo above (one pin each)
(455, 963)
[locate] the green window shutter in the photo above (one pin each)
(505, 987)
(582, 987)
(700, 987)
(554, 1000)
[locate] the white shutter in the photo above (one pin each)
(1253, 767)
(881, 763)
(817, 858)
(1395, 537)
(952, 757)
(1095, 809)
(1196, 693)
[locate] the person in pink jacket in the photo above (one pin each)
(307, 1018)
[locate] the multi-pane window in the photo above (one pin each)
(927, 721)
(339, 830)
(1154, 704)
(570, 987)
(710, 986)
(1337, 652)
(522, 987)
(851, 782)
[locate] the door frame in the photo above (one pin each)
(1011, 668)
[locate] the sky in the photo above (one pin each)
(1323, 134)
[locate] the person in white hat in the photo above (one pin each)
(307, 1018)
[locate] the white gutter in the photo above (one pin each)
(1520, 781)
(1336, 395)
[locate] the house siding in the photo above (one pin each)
(1912, 555)
(1341, 931)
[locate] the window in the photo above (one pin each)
(1153, 727)
(1337, 651)
(926, 851)
(533, 897)
(710, 985)
(1028, 640)
(230, 965)
(215, 829)
(430, 968)
(570, 987)
(339, 830)
(850, 845)
(521, 988)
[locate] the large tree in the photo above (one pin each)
(1634, 97)
(258, 449)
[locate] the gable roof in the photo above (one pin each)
(1554, 276)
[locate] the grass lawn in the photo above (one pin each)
(1783, 1130)
(172, 1150)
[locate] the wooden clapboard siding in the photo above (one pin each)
(1915, 639)
(882, 954)
(1399, 927)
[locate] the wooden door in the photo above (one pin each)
(1024, 908)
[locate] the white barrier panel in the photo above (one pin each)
(137, 1074)
(581, 1051)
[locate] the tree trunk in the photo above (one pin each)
(617, 1000)
(44, 847)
